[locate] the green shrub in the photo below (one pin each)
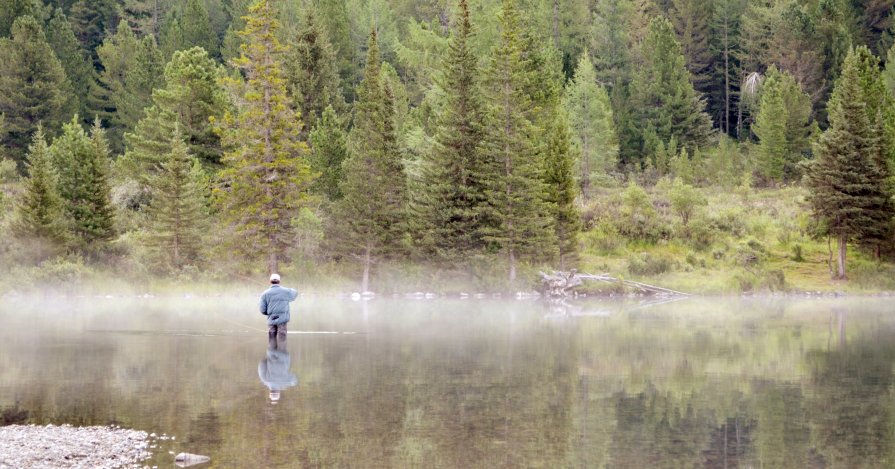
(8, 172)
(700, 233)
(797, 253)
(648, 264)
(774, 280)
(604, 238)
(685, 200)
(730, 221)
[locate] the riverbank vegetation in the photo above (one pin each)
(710, 147)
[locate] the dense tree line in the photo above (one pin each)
(465, 136)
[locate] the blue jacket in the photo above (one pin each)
(275, 304)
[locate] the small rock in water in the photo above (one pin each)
(188, 459)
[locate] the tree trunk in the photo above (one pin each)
(273, 262)
(843, 241)
(365, 283)
(512, 259)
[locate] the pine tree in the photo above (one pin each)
(770, 128)
(692, 20)
(12, 9)
(236, 10)
(723, 97)
(78, 68)
(33, 85)
(40, 211)
(373, 205)
(176, 214)
(82, 161)
(329, 148)
(189, 27)
(561, 190)
(91, 20)
(144, 16)
(847, 181)
(311, 73)
(611, 42)
(191, 97)
(516, 219)
(591, 125)
(132, 68)
(266, 175)
(451, 190)
(662, 97)
(334, 16)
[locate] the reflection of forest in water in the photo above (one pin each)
(479, 384)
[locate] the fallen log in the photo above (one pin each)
(560, 284)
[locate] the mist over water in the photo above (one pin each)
(465, 383)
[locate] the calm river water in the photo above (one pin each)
(466, 383)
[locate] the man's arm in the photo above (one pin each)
(293, 294)
(262, 305)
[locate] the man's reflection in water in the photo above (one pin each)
(274, 369)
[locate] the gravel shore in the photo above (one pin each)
(52, 447)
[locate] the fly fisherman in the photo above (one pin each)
(275, 305)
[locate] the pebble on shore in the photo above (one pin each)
(51, 447)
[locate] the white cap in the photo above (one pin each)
(274, 277)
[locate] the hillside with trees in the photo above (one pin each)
(461, 145)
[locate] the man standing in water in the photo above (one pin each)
(275, 305)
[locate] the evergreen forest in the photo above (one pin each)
(711, 146)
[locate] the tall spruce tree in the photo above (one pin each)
(190, 99)
(770, 128)
(329, 149)
(692, 20)
(517, 220)
(783, 109)
(176, 214)
(662, 97)
(267, 176)
(187, 27)
(559, 177)
(78, 68)
(311, 72)
(82, 162)
(723, 96)
(447, 207)
(372, 209)
(33, 85)
(848, 183)
(132, 68)
(40, 211)
(591, 126)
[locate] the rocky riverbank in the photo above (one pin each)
(51, 447)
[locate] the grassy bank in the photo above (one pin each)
(717, 241)
(735, 241)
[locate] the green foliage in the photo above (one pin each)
(189, 27)
(82, 165)
(519, 224)
(176, 216)
(267, 174)
(10, 10)
(329, 149)
(685, 200)
(591, 125)
(782, 126)
(33, 86)
(78, 67)
(662, 99)
(310, 71)
(562, 191)
(648, 264)
(191, 98)
(132, 68)
(40, 211)
(371, 216)
(849, 178)
(451, 195)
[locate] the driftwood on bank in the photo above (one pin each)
(561, 284)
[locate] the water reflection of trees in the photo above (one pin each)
(670, 386)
